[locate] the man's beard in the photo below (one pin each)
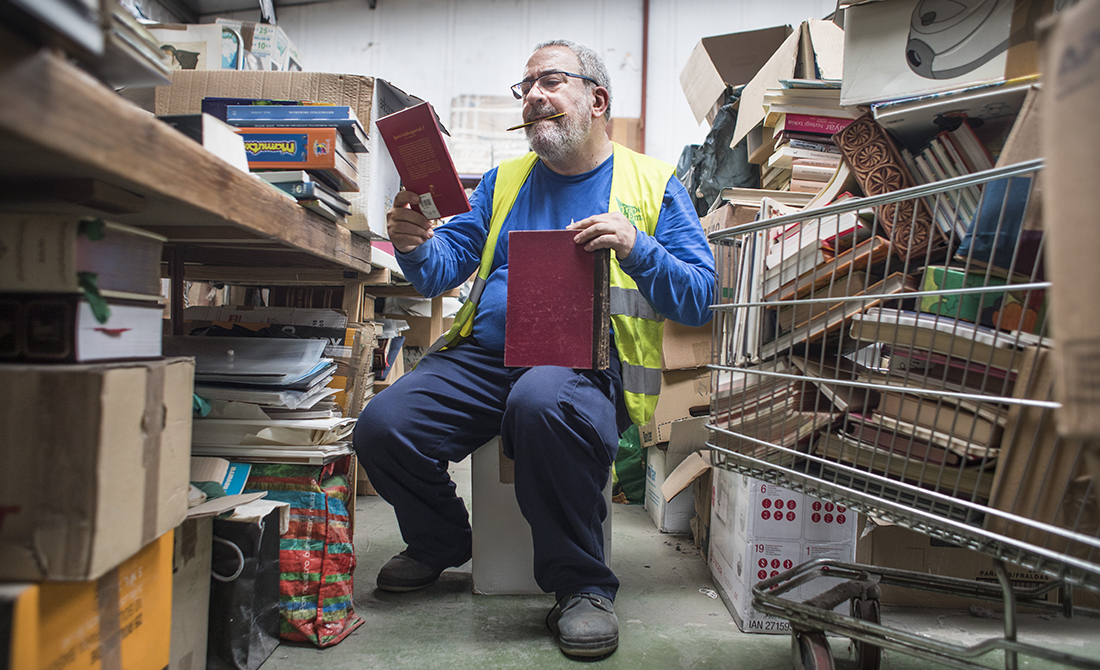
(555, 141)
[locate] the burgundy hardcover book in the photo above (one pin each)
(558, 302)
(416, 145)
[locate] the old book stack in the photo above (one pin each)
(78, 290)
(802, 117)
(307, 150)
(349, 345)
(241, 379)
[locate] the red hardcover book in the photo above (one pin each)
(416, 145)
(808, 123)
(559, 306)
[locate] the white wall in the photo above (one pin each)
(440, 49)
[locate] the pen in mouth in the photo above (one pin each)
(541, 118)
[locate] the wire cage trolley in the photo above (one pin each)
(887, 354)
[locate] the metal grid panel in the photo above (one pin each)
(911, 387)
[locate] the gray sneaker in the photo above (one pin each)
(401, 574)
(586, 625)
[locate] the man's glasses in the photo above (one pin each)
(549, 82)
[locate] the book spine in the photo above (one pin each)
(814, 146)
(303, 113)
(811, 172)
(806, 186)
(807, 123)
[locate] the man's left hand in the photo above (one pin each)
(606, 231)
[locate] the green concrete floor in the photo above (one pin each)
(668, 617)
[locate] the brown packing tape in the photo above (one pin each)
(1022, 58)
(110, 628)
(152, 427)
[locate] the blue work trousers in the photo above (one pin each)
(561, 427)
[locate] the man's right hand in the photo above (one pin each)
(407, 227)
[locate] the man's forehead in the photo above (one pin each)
(552, 58)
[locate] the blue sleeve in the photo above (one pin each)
(453, 254)
(674, 269)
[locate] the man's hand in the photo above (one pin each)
(407, 227)
(606, 231)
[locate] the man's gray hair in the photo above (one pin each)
(591, 65)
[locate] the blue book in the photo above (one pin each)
(994, 232)
(217, 107)
(341, 117)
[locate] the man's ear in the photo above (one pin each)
(600, 101)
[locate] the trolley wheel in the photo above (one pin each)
(868, 656)
(810, 651)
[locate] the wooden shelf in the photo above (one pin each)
(59, 124)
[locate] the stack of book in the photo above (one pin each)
(771, 402)
(799, 154)
(349, 345)
(948, 155)
(261, 396)
(78, 290)
(320, 140)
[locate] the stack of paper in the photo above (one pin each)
(260, 394)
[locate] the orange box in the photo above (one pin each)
(121, 620)
(319, 149)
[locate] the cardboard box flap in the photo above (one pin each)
(825, 39)
(723, 60)
(690, 469)
(688, 435)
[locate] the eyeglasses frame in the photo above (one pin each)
(534, 82)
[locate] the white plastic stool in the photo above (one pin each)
(503, 562)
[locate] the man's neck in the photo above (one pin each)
(589, 157)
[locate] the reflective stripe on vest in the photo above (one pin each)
(637, 191)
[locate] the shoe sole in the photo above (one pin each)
(588, 649)
(405, 588)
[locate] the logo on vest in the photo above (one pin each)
(632, 213)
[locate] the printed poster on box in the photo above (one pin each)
(910, 48)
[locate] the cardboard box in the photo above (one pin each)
(670, 516)
(694, 473)
(759, 530)
(898, 547)
(192, 551)
(121, 620)
(94, 464)
(726, 60)
(817, 45)
(1070, 89)
(684, 393)
(419, 332)
(890, 52)
(685, 347)
(370, 97)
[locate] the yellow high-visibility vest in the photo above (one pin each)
(638, 185)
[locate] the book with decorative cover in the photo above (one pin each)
(415, 142)
(559, 305)
(878, 167)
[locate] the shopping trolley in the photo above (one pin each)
(888, 354)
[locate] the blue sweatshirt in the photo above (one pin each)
(674, 269)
